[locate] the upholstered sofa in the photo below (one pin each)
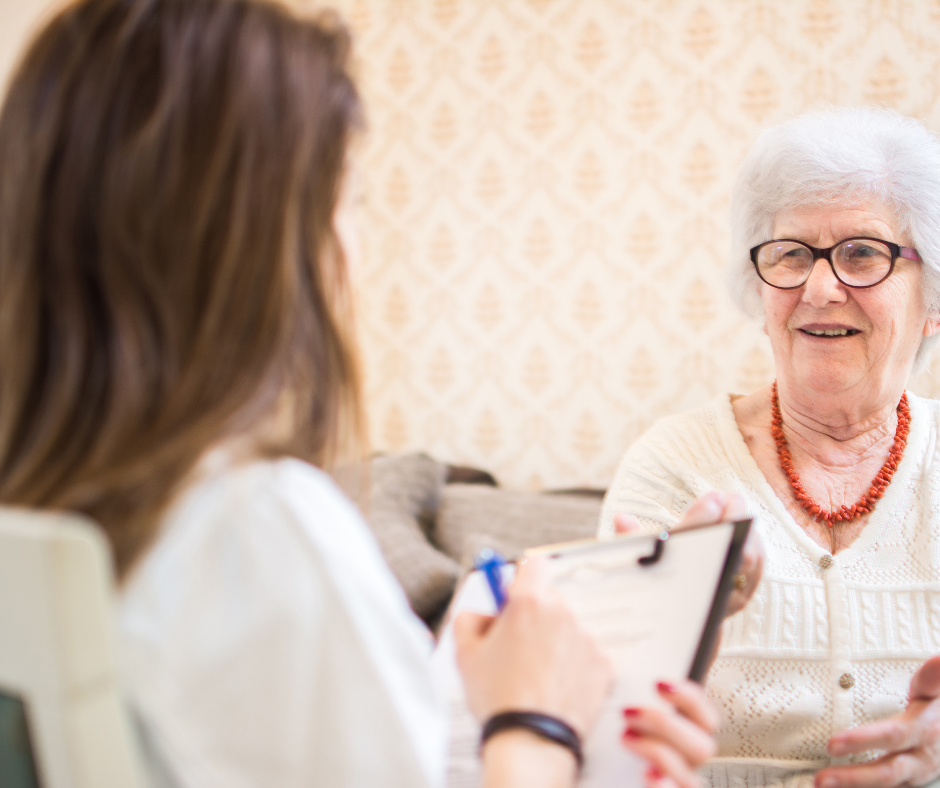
(431, 518)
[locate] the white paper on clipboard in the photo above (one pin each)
(655, 622)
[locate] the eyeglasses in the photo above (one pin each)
(855, 262)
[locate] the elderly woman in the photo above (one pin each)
(176, 233)
(829, 674)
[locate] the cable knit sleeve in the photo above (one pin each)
(661, 475)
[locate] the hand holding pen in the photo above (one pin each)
(491, 564)
(535, 655)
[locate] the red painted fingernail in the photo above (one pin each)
(664, 686)
(631, 734)
(631, 712)
(653, 773)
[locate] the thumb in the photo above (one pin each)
(531, 577)
(470, 628)
(926, 682)
(735, 508)
(706, 510)
(626, 524)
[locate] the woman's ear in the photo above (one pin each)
(932, 324)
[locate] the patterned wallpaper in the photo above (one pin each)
(545, 215)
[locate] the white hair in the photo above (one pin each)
(841, 156)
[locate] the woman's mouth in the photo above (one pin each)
(830, 332)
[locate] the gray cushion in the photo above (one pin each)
(403, 496)
(471, 517)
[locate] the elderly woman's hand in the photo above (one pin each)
(911, 739)
(717, 507)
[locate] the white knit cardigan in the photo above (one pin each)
(817, 650)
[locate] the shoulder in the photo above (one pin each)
(265, 585)
(923, 441)
(663, 472)
(927, 409)
(279, 503)
(689, 434)
(245, 545)
(262, 488)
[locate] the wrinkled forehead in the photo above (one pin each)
(822, 225)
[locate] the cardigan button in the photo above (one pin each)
(846, 681)
(826, 561)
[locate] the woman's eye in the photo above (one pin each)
(864, 252)
(797, 257)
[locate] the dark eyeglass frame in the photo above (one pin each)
(907, 252)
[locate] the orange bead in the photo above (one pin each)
(878, 486)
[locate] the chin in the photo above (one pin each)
(828, 378)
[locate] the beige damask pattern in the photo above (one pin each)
(546, 188)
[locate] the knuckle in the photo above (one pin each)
(698, 755)
(894, 772)
(527, 603)
(896, 735)
(644, 724)
(932, 732)
(689, 779)
(710, 750)
(655, 718)
(702, 751)
(712, 719)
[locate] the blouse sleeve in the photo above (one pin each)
(266, 643)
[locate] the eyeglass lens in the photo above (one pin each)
(858, 262)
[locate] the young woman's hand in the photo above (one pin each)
(677, 741)
(534, 656)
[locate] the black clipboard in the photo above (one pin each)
(709, 640)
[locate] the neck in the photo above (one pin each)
(834, 430)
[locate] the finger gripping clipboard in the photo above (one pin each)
(654, 603)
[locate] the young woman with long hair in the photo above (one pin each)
(176, 362)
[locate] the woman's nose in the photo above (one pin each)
(822, 288)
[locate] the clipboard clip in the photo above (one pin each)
(658, 547)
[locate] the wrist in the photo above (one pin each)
(517, 757)
(545, 726)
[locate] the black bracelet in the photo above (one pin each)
(543, 725)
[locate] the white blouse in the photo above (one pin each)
(266, 643)
(827, 642)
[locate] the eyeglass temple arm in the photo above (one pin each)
(909, 254)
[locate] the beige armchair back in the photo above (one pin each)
(62, 721)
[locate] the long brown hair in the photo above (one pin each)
(169, 276)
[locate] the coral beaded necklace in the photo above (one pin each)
(878, 485)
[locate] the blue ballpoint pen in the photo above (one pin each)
(491, 563)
